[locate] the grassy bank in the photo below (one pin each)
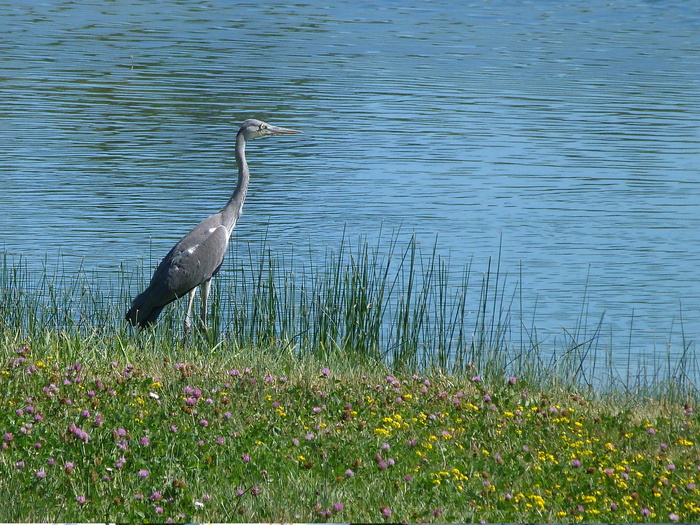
(263, 435)
(375, 386)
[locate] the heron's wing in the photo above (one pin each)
(196, 262)
(192, 261)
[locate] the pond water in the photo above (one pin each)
(567, 132)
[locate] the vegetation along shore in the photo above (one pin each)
(372, 388)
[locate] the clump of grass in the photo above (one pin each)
(396, 304)
(123, 430)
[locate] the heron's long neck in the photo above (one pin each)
(233, 208)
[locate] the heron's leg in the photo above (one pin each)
(188, 314)
(205, 286)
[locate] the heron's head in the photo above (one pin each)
(253, 128)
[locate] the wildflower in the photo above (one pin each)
(349, 473)
(651, 431)
(309, 437)
(8, 437)
(159, 509)
(512, 380)
(245, 458)
(220, 441)
(645, 512)
(173, 428)
(156, 496)
(69, 467)
(386, 446)
(204, 423)
(576, 463)
(41, 474)
(673, 516)
(144, 441)
(386, 511)
(81, 500)
(144, 473)
(240, 492)
(255, 490)
(476, 379)
(325, 371)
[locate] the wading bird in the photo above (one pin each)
(197, 257)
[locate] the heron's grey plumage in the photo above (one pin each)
(198, 256)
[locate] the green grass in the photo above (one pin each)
(369, 388)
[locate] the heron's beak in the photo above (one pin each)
(276, 130)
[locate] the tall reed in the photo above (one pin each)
(391, 301)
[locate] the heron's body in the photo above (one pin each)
(198, 256)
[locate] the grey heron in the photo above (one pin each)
(198, 256)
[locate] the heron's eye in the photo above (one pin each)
(263, 126)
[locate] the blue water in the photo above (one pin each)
(567, 132)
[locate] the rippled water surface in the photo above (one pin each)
(567, 131)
